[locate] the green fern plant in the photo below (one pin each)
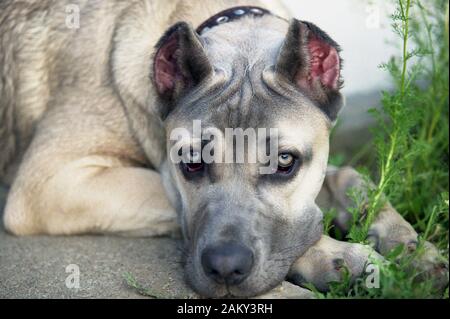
(411, 135)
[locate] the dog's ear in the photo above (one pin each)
(180, 62)
(310, 59)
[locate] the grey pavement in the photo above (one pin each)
(35, 267)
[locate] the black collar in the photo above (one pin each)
(229, 15)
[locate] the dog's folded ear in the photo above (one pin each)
(180, 62)
(310, 60)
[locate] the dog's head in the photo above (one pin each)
(244, 225)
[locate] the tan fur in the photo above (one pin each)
(57, 95)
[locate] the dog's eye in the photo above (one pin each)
(286, 163)
(192, 162)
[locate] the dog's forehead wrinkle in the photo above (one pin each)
(246, 107)
(243, 50)
(246, 98)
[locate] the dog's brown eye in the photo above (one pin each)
(286, 162)
(193, 162)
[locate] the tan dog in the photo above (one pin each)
(86, 114)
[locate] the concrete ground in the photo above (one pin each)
(35, 267)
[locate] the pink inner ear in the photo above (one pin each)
(166, 66)
(325, 63)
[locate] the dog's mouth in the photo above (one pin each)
(230, 295)
(239, 292)
(264, 277)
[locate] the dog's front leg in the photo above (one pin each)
(93, 194)
(389, 228)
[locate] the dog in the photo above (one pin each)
(86, 114)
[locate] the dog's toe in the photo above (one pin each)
(429, 265)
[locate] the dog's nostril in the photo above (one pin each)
(229, 263)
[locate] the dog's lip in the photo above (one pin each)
(225, 291)
(225, 296)
(233, 292)
(230, 295)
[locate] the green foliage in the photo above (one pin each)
(394, 283)
(328, 218)
(411, 136)
(412, 150)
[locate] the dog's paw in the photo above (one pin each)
(426, 261)
(428, 264)
(391, 230)
(330, 261)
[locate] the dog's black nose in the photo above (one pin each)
(228, 263)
